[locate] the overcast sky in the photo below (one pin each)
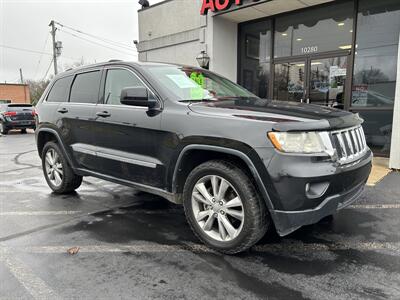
(24, 24)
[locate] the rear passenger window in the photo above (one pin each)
(60, 90)
(85, 88)
(116, 80)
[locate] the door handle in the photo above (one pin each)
(62, 110)
(103, 114)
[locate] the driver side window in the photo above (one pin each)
(116, 80)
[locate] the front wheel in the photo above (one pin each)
(59, 175)
(224, 208)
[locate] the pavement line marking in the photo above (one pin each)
(35, 286)
(40, 213)
(375, 206)
(199, 248)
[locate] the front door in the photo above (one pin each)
(127, 137)
(319, 79)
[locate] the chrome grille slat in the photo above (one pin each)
(356, 144)
(342, 145)
(350, 144)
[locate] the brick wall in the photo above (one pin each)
(17, 93)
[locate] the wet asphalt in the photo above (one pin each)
(133, 245)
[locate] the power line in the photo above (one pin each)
(33, 51)
(41, 56)
(114, 43)
(45, 75)
(96, 43)
(26, 50)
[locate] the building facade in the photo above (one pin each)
(342, 53)
(14, 93)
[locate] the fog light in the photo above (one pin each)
(316, 190)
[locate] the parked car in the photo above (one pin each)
(16, 116)
(239, 164)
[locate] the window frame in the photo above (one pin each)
(52, 86)
(103, 86)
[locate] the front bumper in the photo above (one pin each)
(335, 187)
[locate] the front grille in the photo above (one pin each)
(349, 143)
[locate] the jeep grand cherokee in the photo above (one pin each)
(238, 164)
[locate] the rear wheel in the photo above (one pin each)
(59, 175)
(224, 208)
(23, 130)
(3, 129)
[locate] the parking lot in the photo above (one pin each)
(136, 245)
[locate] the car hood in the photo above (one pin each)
(285, 116)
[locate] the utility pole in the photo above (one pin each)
(53, 34)
(20, 75)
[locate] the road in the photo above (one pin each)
(134, 245)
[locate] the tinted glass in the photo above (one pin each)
(375, 64)
(289, 81)
(117, 80)
(60, 90)
(315, 30)
(85, 88)
(255, 48)
(328, 81)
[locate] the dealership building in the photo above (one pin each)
(342, 54)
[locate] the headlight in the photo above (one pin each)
(297, 142)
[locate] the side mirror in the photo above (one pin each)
(137, 96)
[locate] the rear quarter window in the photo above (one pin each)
(60, 90)
(85, 88)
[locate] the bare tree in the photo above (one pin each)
(36, 88)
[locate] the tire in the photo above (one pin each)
(23, 131)
(255, 219)
(66, 181)
(3, 129)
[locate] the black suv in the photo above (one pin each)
(16, 116)
(239, 164)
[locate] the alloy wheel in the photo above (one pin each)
(217, 208)
(54, 168)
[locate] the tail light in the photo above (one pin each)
(10, 113)
(34, 113)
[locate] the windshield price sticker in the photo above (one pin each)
(198, 78)
(309, 49)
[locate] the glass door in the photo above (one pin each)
(327, 81)
(316, 79)
(289, 81)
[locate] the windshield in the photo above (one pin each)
(195, 84)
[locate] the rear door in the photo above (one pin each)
(127, 137)
(75, 117)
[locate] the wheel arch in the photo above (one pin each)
(193, 155)
(45, 135)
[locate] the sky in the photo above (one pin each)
(24, 25)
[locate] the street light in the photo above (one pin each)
(203, 60)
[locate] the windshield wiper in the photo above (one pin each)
(196, 100)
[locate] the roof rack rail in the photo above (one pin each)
(114, 60)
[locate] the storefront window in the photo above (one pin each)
(375, 65)
(255, 43)
(375, 68)
(314, 31)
